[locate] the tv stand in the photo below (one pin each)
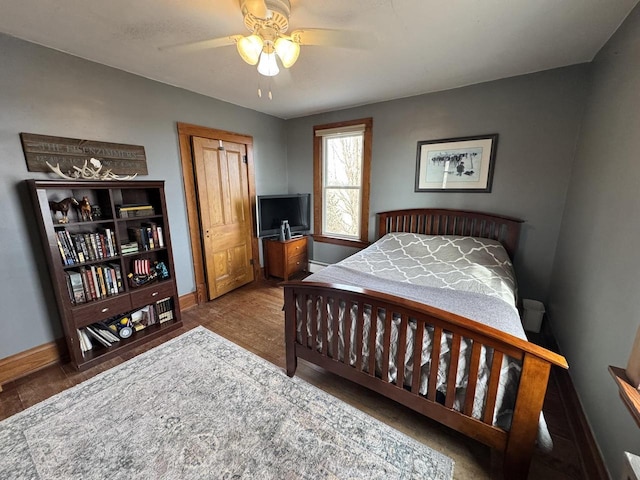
(284, 258)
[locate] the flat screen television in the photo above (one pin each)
(273, 209)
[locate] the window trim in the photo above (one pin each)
(318, 172)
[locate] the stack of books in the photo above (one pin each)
(129, 247)
(134, 210)
(86, 247)
(164, 309)
(96, 332)
(94, 282)
(148, 236)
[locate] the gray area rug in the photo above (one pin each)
(199, 406)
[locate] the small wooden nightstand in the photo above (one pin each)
(284, 258)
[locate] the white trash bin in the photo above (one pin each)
(532, 316)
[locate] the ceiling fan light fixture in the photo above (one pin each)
(287, 50)
(250, 48)
(268, 65)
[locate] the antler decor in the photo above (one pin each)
(93, 172)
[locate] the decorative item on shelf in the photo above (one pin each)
(96, 212)
(63, 207)
(283, 233)
(86, 212)
(143, 274)
(93, 172)
(163, 271)
(122, 326)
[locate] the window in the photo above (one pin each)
(342, 164)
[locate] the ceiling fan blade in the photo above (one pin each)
(257, 8)
(202, 44)
(333, 38)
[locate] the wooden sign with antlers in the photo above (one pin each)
(67, 153)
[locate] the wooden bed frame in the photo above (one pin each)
(518, 443)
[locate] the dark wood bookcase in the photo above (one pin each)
(119, 210)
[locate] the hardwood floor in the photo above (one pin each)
(252, 318)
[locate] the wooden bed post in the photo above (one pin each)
(524, 427)
(290, 331)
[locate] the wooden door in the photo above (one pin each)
(225, 213)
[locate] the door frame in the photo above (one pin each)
(185, 132)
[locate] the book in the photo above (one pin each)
(93, 334)
(85, 342)
(160, 237)
(129, 247)
(95, 240)
(102, 286)
(109, 243)
(94, 278)
(83, 247)
(90, 246)
(78, 248)
(136, 234)
(152, 234)
(89, 288)
(72, 250)
(62, 254)
(164, 309)
(64, 248)
(118, 277)
(77, 287)
(69, 287)
(106, 332)
(107, 280)
(129, 211)
(102, 244)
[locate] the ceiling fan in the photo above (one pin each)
(268, 22)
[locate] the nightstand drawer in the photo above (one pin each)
(297, 263)
(101, 310)
(298, 247)
(151, 294)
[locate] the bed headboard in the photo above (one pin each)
(433, 221)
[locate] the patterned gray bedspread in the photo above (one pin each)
(468, 276)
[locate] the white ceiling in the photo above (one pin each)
(416, 46)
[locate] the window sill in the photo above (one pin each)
(340, 241)
(630, 396)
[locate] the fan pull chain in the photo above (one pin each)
(269, 94)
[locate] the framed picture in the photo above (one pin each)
(456, 164)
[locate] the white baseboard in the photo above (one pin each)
(315, 266)
(631, 469)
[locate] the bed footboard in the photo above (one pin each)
(314, 332)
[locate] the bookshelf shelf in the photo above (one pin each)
(112, 273)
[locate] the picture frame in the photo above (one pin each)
(463, 164)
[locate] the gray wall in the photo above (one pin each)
(595, 284)
(537, 117)
(47, 92)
